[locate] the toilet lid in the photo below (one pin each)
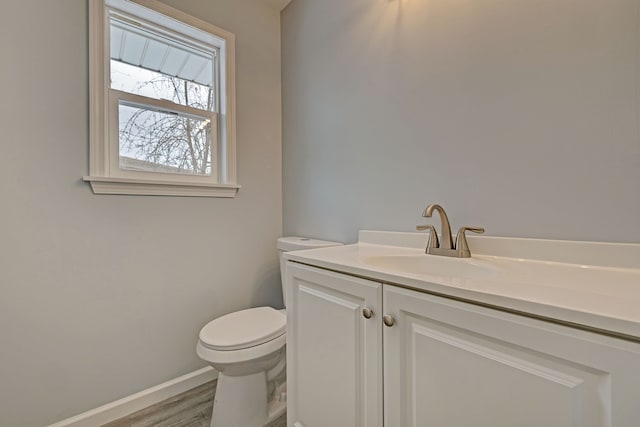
(244, 329)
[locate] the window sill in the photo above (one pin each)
(142, 187)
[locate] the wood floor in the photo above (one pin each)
(189, 409)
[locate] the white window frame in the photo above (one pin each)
(105, 176)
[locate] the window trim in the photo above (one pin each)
(101, 176)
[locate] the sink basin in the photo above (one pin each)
(433, 265)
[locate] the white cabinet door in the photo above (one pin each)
(451, 364)
(334, 353)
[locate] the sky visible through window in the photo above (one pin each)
(152, 84)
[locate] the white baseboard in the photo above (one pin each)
(135, 402)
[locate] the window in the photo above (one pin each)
(161, 100)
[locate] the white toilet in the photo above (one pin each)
(247, 348)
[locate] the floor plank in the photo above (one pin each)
(189, 409)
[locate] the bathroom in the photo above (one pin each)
(522, 117)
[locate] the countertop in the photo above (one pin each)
(591, 285)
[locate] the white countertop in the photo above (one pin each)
(596, 285)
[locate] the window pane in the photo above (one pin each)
(147, 63)
(162, 141)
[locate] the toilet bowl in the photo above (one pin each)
(247, 348)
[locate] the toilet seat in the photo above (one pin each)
(240, 356)
(243, 329)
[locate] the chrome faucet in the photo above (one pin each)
(446, 246)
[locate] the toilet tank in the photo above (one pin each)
(286, 244)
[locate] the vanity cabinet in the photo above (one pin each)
(334, 357)
(446, 362)
(454, 364)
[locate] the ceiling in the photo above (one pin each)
(278, 4)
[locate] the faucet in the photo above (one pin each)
(446, 246)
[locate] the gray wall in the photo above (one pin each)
(521, 116)
(103, 296)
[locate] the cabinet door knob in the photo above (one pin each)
(367, 313)
(388, 320)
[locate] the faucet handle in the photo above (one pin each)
(433, 241)
(462, 246)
